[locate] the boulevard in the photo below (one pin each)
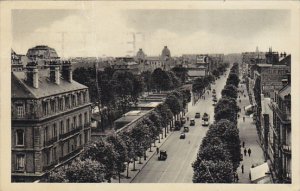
(182, 152)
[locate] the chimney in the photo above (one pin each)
(284, 54)
(32, 74)
(54, 72)
(67, 71)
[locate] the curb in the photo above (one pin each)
(150, 157)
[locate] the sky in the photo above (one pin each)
(110, 32)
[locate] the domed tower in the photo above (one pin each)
(165, 54)
(140, 55)
(42, 52)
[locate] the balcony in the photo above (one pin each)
(74, 131)
(50, 166)
(71, 154)
(284, 116)
(51, 141)
(286, 149)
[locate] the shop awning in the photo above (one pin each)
(249, 107)
(260, 174)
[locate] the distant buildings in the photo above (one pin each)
(270, 83)
(50, 118)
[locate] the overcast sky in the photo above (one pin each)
(109, 32)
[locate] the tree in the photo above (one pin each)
(174, 104)
(121, 153)
(166, 114)
(104, 153)
(229, 135)
(127, 139)
(157, 122)
(161, 80)
(230, 91)
(233, 79)
(181, 73)
(86, 171)
(212, 172)
(226, 108)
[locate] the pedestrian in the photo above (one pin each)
(242, 167)
(237, 178)
(157, 150)
(145, 157)
(249, 175)
(243, 144)
(245, 152)
(244, 108)
(188, 118)
(244, 118)
(249, 152)
(240, 100)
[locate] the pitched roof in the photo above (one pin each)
(286, 90)
(21, 89)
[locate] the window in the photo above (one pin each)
(74, 122)
(68, 125)
(67, 102)
(52, 105)
(54, 130)
(80, 119)
(61, 128)
(54, 154)
(20, 162)
(85, 118)
(20, 110)
(45, 107)
(46, 134)
(60, 104)
(20, 137)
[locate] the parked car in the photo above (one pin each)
(192, 122)
(182, 135)
(197, 115)
(214, 91)
(178, 125)
(183, 120)
(186, 129)
(215, 99)
(162, 155)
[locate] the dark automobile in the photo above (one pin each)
(162, 155)
(197, 115)
(192, 122)
(214, 91)
(178, 125)
(183, 120)
(186, 129)
(182, 136)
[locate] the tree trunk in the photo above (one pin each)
(127, 170)
(166, 131)
(133, 165)
(140, 160)
(119, 177)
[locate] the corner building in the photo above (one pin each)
(50, 119)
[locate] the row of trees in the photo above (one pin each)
(119, 90)
(200, 84)
(104, 159)
(162, 80)
(219, 153)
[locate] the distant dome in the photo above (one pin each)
(42, 52)
(165, 53)
(140, 55)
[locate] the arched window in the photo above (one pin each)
(20, 137)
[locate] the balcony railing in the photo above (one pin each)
(286, 149)
(72, 153)
(284, 116)
(69, 133)
(50, 166)
(51, 141)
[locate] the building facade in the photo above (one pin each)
(50, 119)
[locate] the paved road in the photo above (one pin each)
(181, 152)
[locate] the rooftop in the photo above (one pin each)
(21, 89)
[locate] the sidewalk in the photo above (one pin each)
(139, 167)
(248, 134)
